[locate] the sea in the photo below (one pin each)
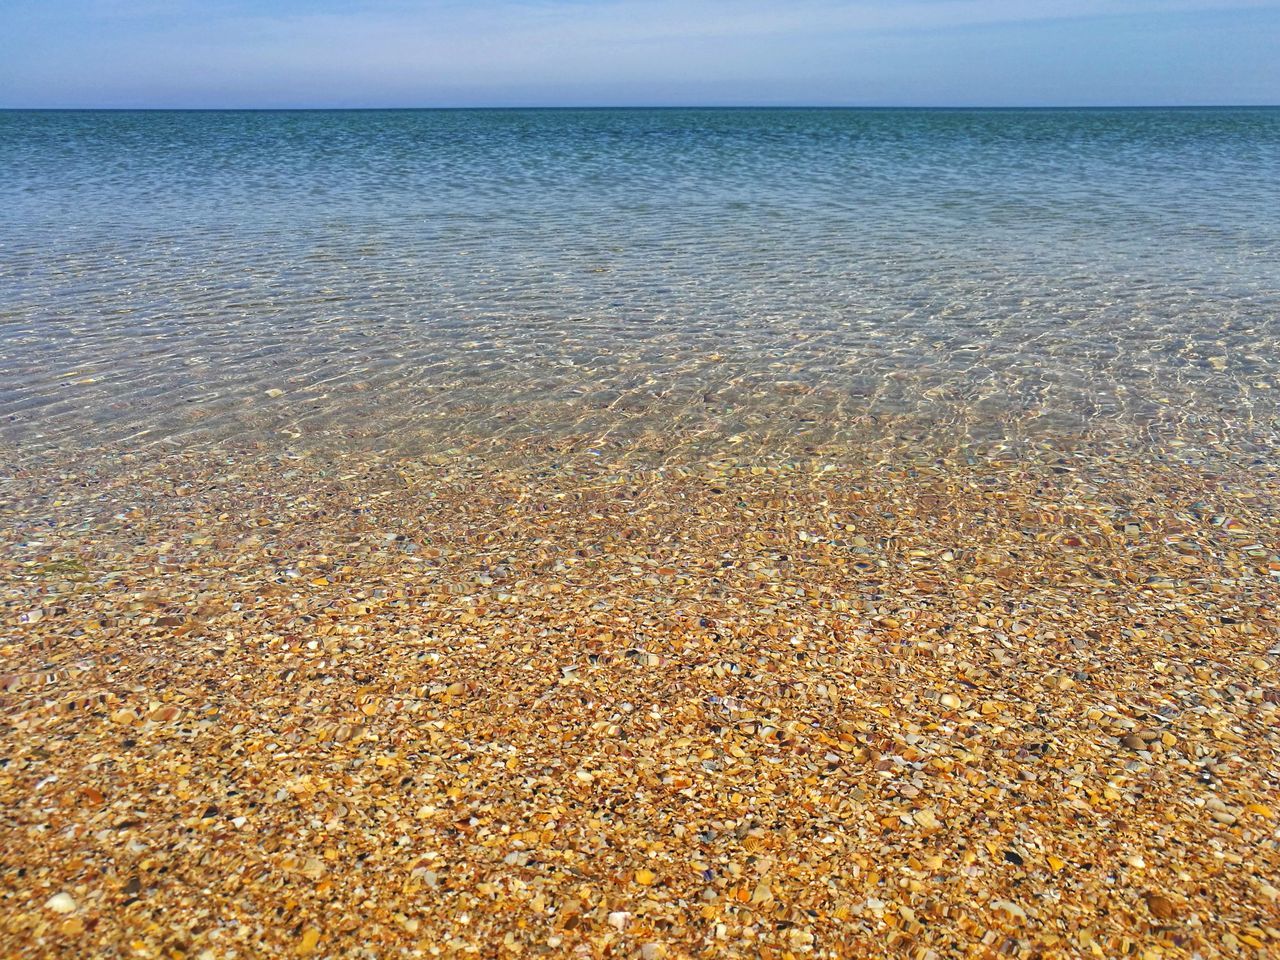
(707, 281)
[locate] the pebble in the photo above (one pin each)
(310, 939)
(1161, 907)
(61, 903)
(618, 919)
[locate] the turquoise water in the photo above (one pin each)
(678, 278)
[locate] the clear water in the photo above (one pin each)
(678, 278)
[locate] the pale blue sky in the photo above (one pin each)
(278, 53)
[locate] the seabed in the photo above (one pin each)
(565, 701)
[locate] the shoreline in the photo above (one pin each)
(734, 706)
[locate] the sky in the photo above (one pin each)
(427, 53)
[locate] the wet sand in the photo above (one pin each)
(1008, 703)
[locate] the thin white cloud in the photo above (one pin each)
(435, 51)
(521, 34)
(638, 20)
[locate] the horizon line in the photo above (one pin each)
(632, 106)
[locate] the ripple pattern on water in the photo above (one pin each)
(698, 277)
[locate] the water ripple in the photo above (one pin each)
(406, 277)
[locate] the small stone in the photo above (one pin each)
(61, 903)
(619, 919)
(313, 869)
(926, 819)
(1161, 907)
(310, 938)
(1012, 909)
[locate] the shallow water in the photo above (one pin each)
(860, 525)
(676, 278)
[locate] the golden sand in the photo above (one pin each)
(1004, 706)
